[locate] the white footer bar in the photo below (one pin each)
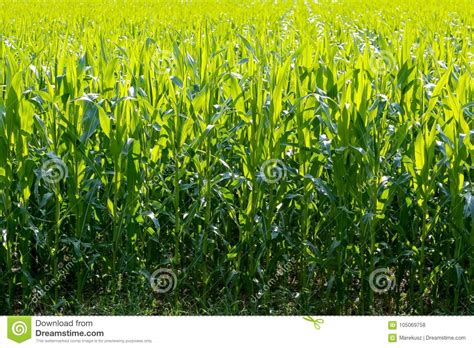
(238, 332)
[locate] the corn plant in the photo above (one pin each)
(222, 139)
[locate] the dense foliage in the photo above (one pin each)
(272, 154)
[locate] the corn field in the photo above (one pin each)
(273, 157)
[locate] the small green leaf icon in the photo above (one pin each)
(19, 329)
(316, 322)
